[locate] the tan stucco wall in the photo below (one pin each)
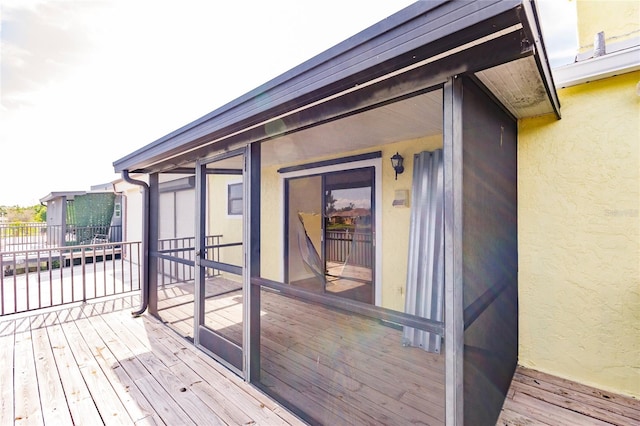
(579, 237)
(220, 223)
(132, 208)
(619, 19)
(395, 221)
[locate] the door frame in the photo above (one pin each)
(339, 166)
(223, 350)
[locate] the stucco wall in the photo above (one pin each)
(132, 208)
(619, 19)
(579, 237)
(220, 223)
(395, 221)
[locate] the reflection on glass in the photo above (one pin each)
(330, 234)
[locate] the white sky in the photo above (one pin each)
(85, 82)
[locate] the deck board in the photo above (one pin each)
(108, 404)
(54, 403)
(7, 339)
(26, 397)
(84, 364)
(79, 400)
(539, 398)
(135, 404)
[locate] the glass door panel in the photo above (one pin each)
(348, 234)
(305, 267)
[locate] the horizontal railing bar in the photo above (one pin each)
(176, 250)
(223, 245)
(188, 238)
(161, 255)
(371, 311)
(226, 267)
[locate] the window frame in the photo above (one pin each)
(230, 213)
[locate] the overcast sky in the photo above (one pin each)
(85, 82)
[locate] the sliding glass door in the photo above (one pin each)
(331, 228)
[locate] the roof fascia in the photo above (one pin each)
(531, 26)
(69, 194)
(421, 79)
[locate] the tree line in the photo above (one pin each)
(18, 214)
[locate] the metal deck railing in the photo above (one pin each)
(45, 277)
(35, 235)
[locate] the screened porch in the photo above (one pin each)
(418, 317)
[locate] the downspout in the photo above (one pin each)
(145, 241)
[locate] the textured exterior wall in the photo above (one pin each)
(132, 209)
(220, 223)
(579, 237)
(619, 19)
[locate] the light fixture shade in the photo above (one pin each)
(396, 163)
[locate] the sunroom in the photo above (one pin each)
(344, 237)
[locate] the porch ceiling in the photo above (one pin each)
(410, 118)
(370, 89)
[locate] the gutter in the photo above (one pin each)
(145, 241)
(599, 67)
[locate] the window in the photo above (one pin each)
(234, 199)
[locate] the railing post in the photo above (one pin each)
(84, 275)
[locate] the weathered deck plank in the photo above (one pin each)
(539, 398)
(54, 403)
(136, 405)
(28, 410)
(79, 400)
(105, 397)
(7, 339)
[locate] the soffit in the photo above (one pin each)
(519, 87)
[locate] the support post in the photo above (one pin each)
(154, 232)
(252, 292)
(453, 274)
(200, 233)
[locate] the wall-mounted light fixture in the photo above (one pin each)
(396, 163)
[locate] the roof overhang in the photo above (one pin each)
(68, 195)
(498, 42)
(71, 195)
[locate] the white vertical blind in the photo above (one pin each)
(425, 268)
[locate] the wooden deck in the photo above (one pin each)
(95, 364)
(319, 358)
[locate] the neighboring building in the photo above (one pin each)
(522, 228)
(81, 217)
